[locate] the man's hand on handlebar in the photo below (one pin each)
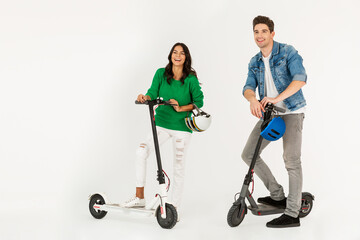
(267, 100)
(256, 108)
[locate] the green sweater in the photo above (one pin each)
(189, 92)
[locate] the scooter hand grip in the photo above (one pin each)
(137, 102)
(279, 109)
(168, 103)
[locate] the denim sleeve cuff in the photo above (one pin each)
(246, 88)
(300, 77)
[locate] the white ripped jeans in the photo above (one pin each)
(181, 140)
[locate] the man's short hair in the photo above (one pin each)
(264, 20)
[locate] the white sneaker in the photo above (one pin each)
(134, 202)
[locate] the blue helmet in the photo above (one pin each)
(274, 130)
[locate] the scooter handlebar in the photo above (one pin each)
(137, 102)
(279, 109)
(271, 106)
(155, 102)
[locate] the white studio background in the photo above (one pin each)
(71, 70)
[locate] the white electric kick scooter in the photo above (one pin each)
(165, 213)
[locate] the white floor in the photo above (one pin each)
(71, 70)
(326, 221)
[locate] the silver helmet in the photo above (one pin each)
(198, 122)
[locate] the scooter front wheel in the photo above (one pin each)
(99, 200)
(171, 216)
(236, 215)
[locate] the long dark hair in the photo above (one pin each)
(187, 64)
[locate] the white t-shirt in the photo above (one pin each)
(271, 91)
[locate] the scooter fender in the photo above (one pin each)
(163, 200)
(241, 204)
(101, 194)
(308, 194)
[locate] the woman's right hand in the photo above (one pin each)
(142, 98)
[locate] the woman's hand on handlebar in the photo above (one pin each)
(142, 98)
(176, 105)
(256, 108)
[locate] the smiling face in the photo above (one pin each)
(178, 56)
(262, 35)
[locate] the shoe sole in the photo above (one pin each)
(284, 226)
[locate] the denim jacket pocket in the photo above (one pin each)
(255, 70)
(280, 62)
(281, 67)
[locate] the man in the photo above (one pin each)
(279, 75)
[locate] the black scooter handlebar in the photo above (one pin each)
(155, 102)
(271, 106)
(279, 109)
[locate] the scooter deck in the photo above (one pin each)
(116, 207)
(264, 209)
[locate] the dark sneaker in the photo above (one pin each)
(284, 221)
(272, 202)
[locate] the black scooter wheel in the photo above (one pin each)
(171, 216)
(236, 215)
(99, 200)
(306, 205)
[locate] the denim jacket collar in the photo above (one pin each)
(274, 51)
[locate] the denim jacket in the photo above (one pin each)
(285, 66)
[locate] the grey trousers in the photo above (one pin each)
(292, 153)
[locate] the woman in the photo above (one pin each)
(178, 83)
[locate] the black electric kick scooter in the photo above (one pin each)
(165, 213)
(238, 210)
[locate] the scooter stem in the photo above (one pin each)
(160, 174)
(253, 161)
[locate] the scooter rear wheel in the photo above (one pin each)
(171, 216)
(99, 200)
(236, 215)
(306, 205)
